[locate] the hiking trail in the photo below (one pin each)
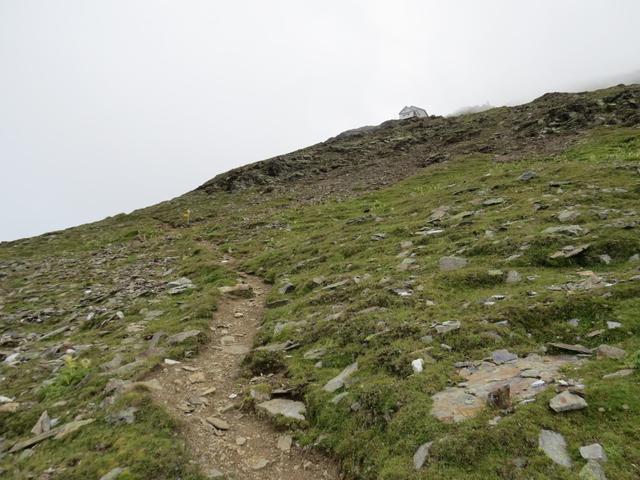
(250, 448)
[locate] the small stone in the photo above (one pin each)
(259, 463)
(570, 251)
(180, 285)
(625, 372)
(126, 416)
(314, 353)
(494, 421)
(448, 326)
(503, 356)
(183, 336)
(421, 455)
(281, 406)
(240, 290)
(593, 452)
(527, 175)
(607, 351)
(567, 401)
(568, 215)
(113, 474)
(592, 471)
(241, 441)
(285, 442)
(417, 365)
(439, 213)
(571, 348)
(288, 287)
(572, 230)
(606, 259)
(114, 363)
(613, 325)
(520, 462)
(555, 447)
(338, 381)
(513, 277)
(337, 398)
(574, 322)
(42, 425)
(218, 423)
(448, 264)
(493, 201)
(197, 377)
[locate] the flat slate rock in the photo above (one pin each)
(570, 251)
(183, 336)
(218, 423)
(448, 326)
(448, 264)
(503, 356)
(607, 351)
(564, 229)
(239, 290)
(555, 447)
(566, 402)
(421, 455)
(571, 348)
(282, 406)
(338, 381)
(593, 452)
(625, 372)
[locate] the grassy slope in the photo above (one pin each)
(278, 241)
(105, 257)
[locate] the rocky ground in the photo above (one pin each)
(206, 394)
(478, 319)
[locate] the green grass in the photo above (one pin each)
(376, 429)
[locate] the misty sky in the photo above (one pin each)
(109, 106)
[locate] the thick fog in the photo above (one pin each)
(109, 106)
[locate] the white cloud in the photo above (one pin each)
(111, 106)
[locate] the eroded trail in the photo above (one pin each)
(244, 446)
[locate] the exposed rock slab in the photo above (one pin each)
(281, 406)
(555, 447)
(526, 377)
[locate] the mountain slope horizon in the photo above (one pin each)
(439, 297)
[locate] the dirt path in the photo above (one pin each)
(249, 448)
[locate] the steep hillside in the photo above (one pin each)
(451, 298)
(371, 157)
